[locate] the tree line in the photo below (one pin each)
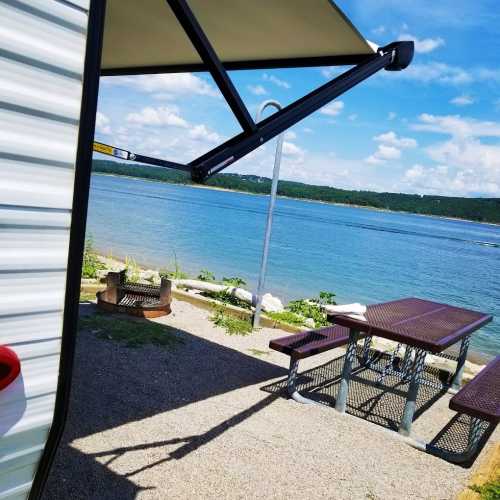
(477, 209)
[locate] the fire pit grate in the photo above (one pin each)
(137, 299)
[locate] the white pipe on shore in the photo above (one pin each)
(269, 303)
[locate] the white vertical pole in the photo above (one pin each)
(269, 224)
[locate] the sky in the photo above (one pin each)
(433, 128)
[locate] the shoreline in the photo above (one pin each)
(113, 262)
(308, 200)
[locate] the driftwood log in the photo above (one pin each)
(269, 303)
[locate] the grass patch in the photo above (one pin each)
(232, 325)
(258, 352)
(130, 332)
(287, 317)
(87, 296)
(488, 491)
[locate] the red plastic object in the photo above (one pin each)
(10, 366)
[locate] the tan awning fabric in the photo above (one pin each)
(146, 33)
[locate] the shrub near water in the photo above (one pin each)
(232, 325)
(91, 263)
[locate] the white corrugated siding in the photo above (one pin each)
(42, 49)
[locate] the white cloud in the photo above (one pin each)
(294, 152)
(308, 130)
(391, 115)
(462, 165)
(202, 133)
(102, 123)
(290, 135)
(383, 154)
(445, 74)
(333, 109)
(158, 117)
(435, 72)
(380, 30)
(389, 148)
(352, 117)
(457, 126)
(257, 89)
(391, 139)
(450, 180)
(488, 75)
(462, 100)
(424, 45)
(278, 82)
(166, 85)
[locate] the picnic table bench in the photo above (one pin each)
(480, 400)
(304, 345)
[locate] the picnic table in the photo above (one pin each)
(423, 326)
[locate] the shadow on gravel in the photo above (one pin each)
(383, 404)
(114, 385)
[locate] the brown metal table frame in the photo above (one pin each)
(416, 339)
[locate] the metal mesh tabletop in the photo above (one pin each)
(419, 323)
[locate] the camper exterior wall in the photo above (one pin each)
(41, 65)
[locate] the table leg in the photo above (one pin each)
(340, 404)
(366, 349)
(406, 364)
(456, 381)
(411, 398)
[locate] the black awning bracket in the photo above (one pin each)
(208, 55)
(395, 56)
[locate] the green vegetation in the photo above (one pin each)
(226, 298)
(91, 262)
(206, 275)
(130, 331)
(258, 352)
(488, 491)
(232, 325)
(132, 269)
(298, 311)
(87, 296)
(235, 281)
(478, 209)
(287, 317)
(176, 274)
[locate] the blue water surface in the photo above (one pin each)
(362, 255)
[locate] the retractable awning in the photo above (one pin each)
(159, 36)
(145, 36)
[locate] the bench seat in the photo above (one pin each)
(313, 342)
(480, 398)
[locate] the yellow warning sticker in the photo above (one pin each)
(103, 148)
(110, 150)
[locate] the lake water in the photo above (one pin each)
(362, 255)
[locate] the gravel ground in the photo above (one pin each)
(194, 422)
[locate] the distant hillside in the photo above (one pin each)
(477, 209)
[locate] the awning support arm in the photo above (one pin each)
(123, 154)
(202, 45)
(393, 57)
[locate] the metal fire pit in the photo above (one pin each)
(137, 299)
